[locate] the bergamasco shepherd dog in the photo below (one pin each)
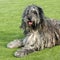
(40, 32)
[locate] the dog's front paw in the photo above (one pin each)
(21, 53)
(14, 44)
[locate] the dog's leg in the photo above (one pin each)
(24, 51)
(14, 44)
(30, 46)
(17, 43)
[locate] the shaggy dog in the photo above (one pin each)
(41, 32)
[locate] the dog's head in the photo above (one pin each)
(32, 16)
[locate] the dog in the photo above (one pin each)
(41, 32)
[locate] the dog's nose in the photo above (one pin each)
(29, 18)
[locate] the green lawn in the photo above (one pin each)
(10, 20)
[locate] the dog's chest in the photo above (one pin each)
(32, 39)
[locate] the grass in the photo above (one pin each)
(10, 20)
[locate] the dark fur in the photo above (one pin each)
(43, 33)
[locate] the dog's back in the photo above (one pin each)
(54, 25)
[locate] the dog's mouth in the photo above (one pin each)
(30, 23)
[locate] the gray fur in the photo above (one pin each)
(43, 33)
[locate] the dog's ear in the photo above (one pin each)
(23, 25)
(41, 14)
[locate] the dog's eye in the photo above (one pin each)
(35, 12)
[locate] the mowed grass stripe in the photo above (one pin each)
(10, 20)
